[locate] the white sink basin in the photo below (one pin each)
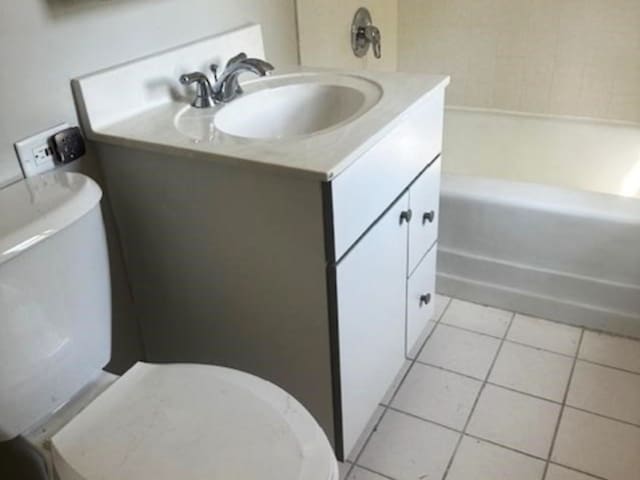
(282, 108)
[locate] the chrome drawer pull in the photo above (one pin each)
(428, 217)
(425, 299)
(406, 216)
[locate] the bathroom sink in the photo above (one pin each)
(285, 107)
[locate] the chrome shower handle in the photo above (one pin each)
(365, 34)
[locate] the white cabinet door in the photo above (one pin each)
(425, 202)
(421, 291)
(371, 289)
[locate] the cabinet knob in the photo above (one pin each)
(406, 216)
(425, 299)
(428, 217)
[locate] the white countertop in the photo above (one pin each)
(322, 156)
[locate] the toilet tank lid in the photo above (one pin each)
(36, 208)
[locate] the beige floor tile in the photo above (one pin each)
(515, 420)
(556, 472)
(606, 391)
(375, 418)
(406, 448)
(477, 460)
(478, 318)
(343, 469)
(598, 446)
(461, 351)
(396, 382)
(443, 397)
(441, 304)
(362, 474)
(609, 350)
(545, 334)
(533, 371)
(413, 352)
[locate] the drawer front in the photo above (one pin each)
(421, 291)
(424, 197)
(371, 294)
(362, 192)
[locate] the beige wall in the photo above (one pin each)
(569, 57)
(44, 43)
(325, 33)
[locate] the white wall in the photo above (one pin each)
(45, 43)
(325, 33)
(560, 57)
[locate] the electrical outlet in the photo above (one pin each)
(35, 154)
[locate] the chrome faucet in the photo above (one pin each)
(226, 86)
(204, 97)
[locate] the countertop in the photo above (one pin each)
(322, 156)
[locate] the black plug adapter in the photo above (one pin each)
(67, 145)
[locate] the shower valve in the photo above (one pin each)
(364, 34)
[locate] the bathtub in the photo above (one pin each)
(542, 216)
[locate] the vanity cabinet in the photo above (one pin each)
(321, 284)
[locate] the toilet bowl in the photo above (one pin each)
(155, 422)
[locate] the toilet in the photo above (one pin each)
(155, 422)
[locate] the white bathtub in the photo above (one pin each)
(542, 216)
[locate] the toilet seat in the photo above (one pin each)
(188, 422)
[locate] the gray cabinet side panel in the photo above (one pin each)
(228, 268)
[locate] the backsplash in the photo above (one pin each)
(561, 57)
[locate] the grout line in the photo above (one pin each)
(393, 395)
(428, 420)
(477, 400)
(619, 369)
(458, 327)
(373, 471)
(448, 370)
(541, 349)
(606, 417)
(562, 408)
(526, 394)
(506, 447)
(587, 474)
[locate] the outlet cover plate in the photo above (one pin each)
(35, 154)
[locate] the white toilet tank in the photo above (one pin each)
(55, 298)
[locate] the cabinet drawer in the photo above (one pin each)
(425, 201)
(362, 192)
(421, 291)
(371, 282)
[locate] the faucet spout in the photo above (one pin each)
(227, 86)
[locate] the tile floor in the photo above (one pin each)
(494, 395)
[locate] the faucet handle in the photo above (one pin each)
(203, 89)
(214, 69)
(372, 34)
(237, 58)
